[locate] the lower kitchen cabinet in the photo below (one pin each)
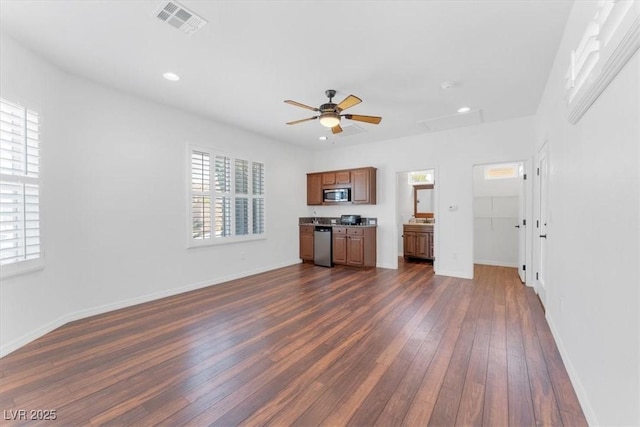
(306, 242)
(418, 241)
(354, 246)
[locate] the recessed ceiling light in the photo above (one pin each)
(447, 85)
(323, 138)
(171, 77)
(464, 110)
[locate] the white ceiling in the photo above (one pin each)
(252, 55)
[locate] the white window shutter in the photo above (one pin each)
(200, 195)
(222, 186)
(257, 214)
(19, 184)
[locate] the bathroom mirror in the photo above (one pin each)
(423, 201)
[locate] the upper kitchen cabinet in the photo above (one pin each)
(364, 186)
(314, 189)
(336, 178)
(360, 182)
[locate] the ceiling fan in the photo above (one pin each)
(330, 113)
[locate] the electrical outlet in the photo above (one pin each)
(455, 255)
(561, 304)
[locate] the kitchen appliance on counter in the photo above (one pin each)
(322, 254)
(350, 219)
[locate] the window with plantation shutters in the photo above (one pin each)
(227, 198)
(19, 184)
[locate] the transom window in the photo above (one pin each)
(502, 171)
(421, 177)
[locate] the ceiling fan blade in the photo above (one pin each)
(297, 104)
(368, 119)
(336, 129)
(295, 122)
(349, 102)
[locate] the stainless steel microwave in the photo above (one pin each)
(336, 195)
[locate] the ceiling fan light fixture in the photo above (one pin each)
(330, 119)
(330, 113)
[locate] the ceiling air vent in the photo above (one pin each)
(453, 121)
(350, 129)
(178, 16)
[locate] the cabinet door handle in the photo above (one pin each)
(516, 226)
(543, 236)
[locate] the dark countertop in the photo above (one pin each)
(334, 222)
(319, 224)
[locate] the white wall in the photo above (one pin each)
(452, 154)
(592, 288)
(114, 202)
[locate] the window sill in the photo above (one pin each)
(224, 241)
(21, 268)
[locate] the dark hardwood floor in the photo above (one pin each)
(306, 345)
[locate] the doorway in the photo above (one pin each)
(416, 202)
(499, 215)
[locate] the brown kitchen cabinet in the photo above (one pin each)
(354, 246)
(339, 245)
(306, 242)
(336, 178)
(361, 181)
(314, 189)
(364, 186)
(418, 241)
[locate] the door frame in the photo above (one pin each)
(523, 224)
(436, 212)
(528, 213)
(540, 283)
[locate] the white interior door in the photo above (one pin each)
(542, 220)
(522, 225)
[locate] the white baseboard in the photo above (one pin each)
(388, 266)
(495, 263)
(34, 335)
(589, 413)
(458, 274)
(93, 311)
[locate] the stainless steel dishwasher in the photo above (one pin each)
(322, 247)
